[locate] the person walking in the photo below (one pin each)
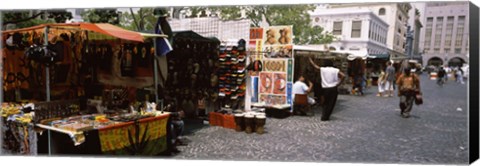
(389, 79)
(331, 79)
(381, 83)
(408, 86)
(459, 75)
(441, 76)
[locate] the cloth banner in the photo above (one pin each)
(162, 44)
(144, 137)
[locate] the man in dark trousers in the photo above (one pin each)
(408, 86)
(331, 79)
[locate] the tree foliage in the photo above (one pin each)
(143, 20)
(22, 19)
(111, 16)
(296, 15)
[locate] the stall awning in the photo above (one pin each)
(379, 56)
(102, 28)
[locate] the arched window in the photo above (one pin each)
(381, 11)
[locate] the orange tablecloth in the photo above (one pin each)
(223, 120)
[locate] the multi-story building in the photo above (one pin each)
(395, 15)
(360, 32)
(445, 38)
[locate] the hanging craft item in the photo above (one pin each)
(280, 83)
(266, 80)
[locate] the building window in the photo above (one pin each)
(447, 50)
(460, 31)
(337, 28)
(317, 19)
(428, 33)
(400, 17)
(381, 12)
(437, 50)
(449, 32)
(438, 33)
(356, 29)
(458, 50)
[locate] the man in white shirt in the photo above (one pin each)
(299, 87)
(331, 79)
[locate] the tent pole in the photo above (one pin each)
(155, 72)
(1, 86)
(47, 84)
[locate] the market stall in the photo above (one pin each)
(375, 64)
(339, 59)
(105, 69)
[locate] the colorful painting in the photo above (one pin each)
(256, 33)
(289, 93)
(274, 65)
(279, 51)
(266, 82)
(273, 99)
(254, 89)
(279, 83)
(290, 70)
(278, 35)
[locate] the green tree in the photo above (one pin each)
(22, 19)
(111, 16)
(142, 20)
(296, 15)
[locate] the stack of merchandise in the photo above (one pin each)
(232, 74)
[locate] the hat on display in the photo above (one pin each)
(241, 58)
(241, 45)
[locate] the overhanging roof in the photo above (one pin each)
(102, 28)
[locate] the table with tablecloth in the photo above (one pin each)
(144, 137)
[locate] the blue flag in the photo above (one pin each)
(162, 45)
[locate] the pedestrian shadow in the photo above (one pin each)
(411, 116)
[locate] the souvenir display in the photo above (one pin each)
(195, 59)
(232, 73)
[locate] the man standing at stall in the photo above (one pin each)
(331, 79)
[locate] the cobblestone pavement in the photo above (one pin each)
(365, 129)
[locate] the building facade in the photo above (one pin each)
(395, 15)
(445, 38)
(359, 32)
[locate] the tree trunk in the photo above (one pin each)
(134, 19)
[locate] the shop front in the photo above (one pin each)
(81, 88)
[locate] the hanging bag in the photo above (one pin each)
(418, 95)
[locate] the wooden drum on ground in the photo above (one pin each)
(239, 122)
(249, 123)
(260, 123)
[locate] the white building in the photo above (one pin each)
(395, 15)
(445, 38)
(359, 31)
